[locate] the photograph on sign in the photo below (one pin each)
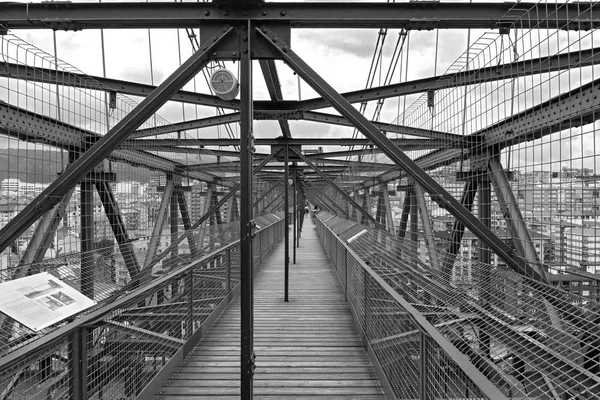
(40, 300)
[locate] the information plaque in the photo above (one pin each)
(40, 300)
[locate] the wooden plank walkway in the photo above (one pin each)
(307, 348)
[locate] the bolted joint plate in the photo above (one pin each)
(229, 49)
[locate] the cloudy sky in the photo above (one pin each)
(343, 58)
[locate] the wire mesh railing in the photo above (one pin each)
(524, 337)
(115, 349)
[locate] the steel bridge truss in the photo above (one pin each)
(261, 31)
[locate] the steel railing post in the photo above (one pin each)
(78, 364)
(191, 298)
(423, 366)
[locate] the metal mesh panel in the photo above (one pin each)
(503, 322)
(135, 335)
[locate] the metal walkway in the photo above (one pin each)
(307, 348)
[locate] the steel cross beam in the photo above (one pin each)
(441, 15)
(443, 137)
(188, 125)
(101, 149)
(437, 192)
(25, 125)
(578, 107)
(302, 108)
(188, 144)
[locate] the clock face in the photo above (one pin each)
(224, 84)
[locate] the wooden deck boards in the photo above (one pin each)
(307, 348)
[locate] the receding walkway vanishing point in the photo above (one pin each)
(307, 348)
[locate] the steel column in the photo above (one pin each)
(484, 257)
(246, 222)
(107, 143)
(286, 224)
(78, 364)
(438, 193)
(87, 238)
(174, 222)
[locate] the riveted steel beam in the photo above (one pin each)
(449, 138)
(534, 66)
(438, 193)
(411, 144)
(423, 15)
(274, 87)
(188, 125)
(25, 125)
(105, 145)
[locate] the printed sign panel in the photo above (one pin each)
(40, 300)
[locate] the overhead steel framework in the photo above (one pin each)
(471, 254)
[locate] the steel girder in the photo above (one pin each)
(187, 125)
(426, 15)
(475, 76)
(107, 143)
(274, 87)
(438, 193)
(572, 109)
(301, 109)
(26, 125)
(187, 144)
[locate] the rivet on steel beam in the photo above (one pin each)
(264, 13)
(264, 30)
(225, 13)
(206, 13)
(282, 13)
(285, 49)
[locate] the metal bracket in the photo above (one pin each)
(252, 363)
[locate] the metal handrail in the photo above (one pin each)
(425, 327)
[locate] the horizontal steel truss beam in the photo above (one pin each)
(427, 15)
(576, 108)
(25, 125)
(297, 109)
(437, 192)
(107, 143)
(150, 144)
